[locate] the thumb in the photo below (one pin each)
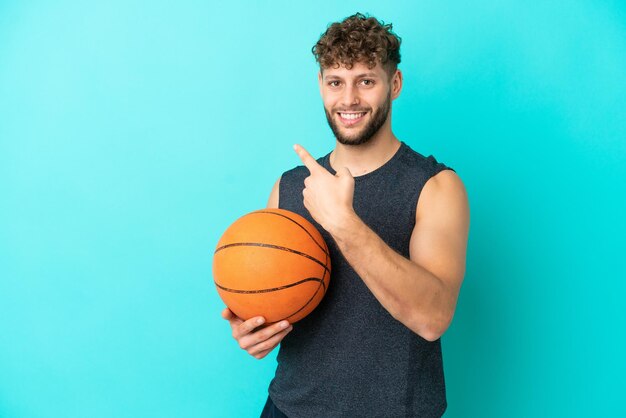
(227, 314)
(344, 172)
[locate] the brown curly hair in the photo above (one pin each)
(358, 39)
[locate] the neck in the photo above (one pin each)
(365, 158)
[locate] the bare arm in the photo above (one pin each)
(272, 203)
(420, 291)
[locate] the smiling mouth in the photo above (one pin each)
(350, 118)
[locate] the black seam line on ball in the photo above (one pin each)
(276, 247)
(306, 304)
(273, 289)
(295, 222)
(321, 285)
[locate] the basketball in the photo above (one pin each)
(271, 263)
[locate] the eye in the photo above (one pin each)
(367, 82)
(334, 83)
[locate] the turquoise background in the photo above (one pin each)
(133, 133)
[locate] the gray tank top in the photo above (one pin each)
(350, 357)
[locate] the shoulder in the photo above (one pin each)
(296, 172)
(446, 182)
(440, 190)
(273, 200)
(292, 180)
(419, 166)
(445, 192)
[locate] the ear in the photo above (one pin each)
(396, 84)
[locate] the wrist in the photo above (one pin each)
(344, 225)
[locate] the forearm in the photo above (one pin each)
(414, 295)
(409, 292)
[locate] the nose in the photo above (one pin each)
(350, 96)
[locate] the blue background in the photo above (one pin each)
(133, 133)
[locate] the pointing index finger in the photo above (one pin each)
(307, 159)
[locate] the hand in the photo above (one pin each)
(328, 198)
(258, 342)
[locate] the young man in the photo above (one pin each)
(396, 224)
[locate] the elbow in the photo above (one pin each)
(430, 329)
(428, 324)
(432, 334)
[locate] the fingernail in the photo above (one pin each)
(284, 324)
(259, 321)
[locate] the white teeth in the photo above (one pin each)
(351, 115)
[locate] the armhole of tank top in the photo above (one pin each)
(438, 168)
(415, 199)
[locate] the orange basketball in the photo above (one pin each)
(271, 263)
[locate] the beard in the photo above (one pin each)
(368, 131)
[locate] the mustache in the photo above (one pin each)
(351, 110)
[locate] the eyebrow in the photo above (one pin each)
(358, 76)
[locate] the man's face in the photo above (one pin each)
(357, 101)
